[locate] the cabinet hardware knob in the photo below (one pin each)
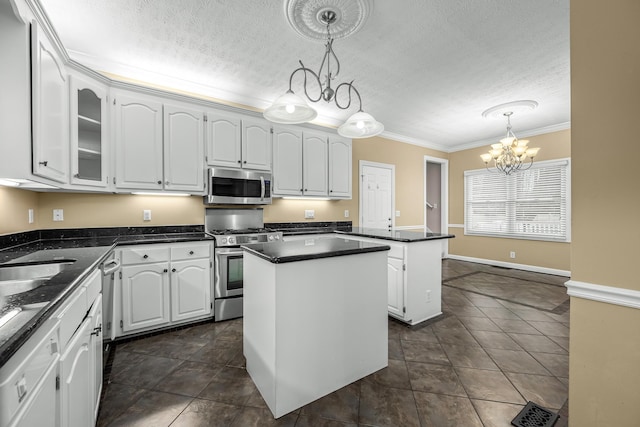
(301, 190)
(245, 161)
(330, 191)
(190, 252)
(173, 270)
(239, 161)
(43, 163)
(76, 175)
(96, 331)
(165, 270)
(159, 182)
(145, 256)
(306, 189)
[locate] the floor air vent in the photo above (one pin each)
(533, 415)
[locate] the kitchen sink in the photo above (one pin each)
(24, 277)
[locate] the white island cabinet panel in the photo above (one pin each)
(313, 326)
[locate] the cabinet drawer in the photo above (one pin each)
(396, 251)
(72, 315)
(144, 255)
(94, 286)
(191, 251)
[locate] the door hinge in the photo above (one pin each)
(404, 267)
(404, 309)
(114, 101)
(210, 264)
(120, 274)
(114, 180)
(58, 382)
(108, 326)
(121, 324)
(210, 305)
(271, 129)
(205, 117)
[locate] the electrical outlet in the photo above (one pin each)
(512, 254)
(58, 215)
(346, 213)
(31, 216)
(428, 296)
(146, 215)
(309, 214)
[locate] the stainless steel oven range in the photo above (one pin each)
(230, 229)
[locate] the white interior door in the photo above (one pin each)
(377, 195)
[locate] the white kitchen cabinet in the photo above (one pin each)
(138, 142)
(287, 162)
(340, 168)
(163, 284)
(75, 380)
(183, 149)
(88, 132)
(315, 164)
(50, 109)
(157, 147)
(190, 289)
(145, 296)
(95, 356)
(238, 142)
(395, 286)
(41, 409)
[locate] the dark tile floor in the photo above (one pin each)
(493, 350)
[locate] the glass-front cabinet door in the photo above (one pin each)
(88, 132)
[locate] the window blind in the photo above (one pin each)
(531, 204)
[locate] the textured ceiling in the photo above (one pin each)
(427, 69)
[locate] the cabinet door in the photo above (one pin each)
(50, 109)
(75, 394)
(190, 289)
(395, 283)
(145, 296)
(287, 162)
(88, 132)
(314, 166)
(224, 147)
(183, 149)
(138, 143)
(256, 144)
(95, 355)
(340, 168)
(41, 409)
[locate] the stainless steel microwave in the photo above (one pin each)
(238, 187)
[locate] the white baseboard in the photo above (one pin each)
(600, 293)
(525, 267)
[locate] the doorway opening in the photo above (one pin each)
(436, 196)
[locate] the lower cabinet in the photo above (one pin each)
(163, 284)
(75, 380)
(395, 286)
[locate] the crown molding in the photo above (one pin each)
(415, 141)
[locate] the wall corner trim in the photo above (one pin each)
(601, 293)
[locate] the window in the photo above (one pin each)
(532, 204)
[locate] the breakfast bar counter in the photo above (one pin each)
(315, 317)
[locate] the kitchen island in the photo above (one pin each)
(315, 317)
(414, 269)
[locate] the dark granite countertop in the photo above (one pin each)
(316, 227)
(88, 248)
(303, 250)
(406, 236)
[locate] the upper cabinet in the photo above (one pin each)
(138, 142)
(238, 142)
(88, 132)
(50, 109)
(157, 147)
(311, 164)
(183, 149)
(340, 167)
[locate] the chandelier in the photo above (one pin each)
(291, 108)
(510, 153)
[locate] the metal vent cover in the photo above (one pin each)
(533, 415)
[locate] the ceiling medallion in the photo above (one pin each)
(305, 17)
(517, 107)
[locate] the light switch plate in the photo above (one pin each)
(309, 214)
(146, 215)
(346, 213)
(397, 213)
(31, 216)
(58, 215)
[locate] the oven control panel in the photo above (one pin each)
(245, 239)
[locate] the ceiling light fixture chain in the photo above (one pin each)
(291, 108)
(510, 153)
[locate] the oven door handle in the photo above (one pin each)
(228, 252)
(262, 187)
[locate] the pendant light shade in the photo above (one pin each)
(360, 125)
(290, 109)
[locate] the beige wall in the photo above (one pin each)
(553, 255)
(605, 83)
(14, 208)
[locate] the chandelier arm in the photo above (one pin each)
(334, 57)
(351, 87)
(306, 70)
